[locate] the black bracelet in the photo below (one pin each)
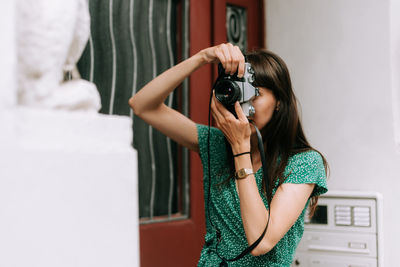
(237, 155)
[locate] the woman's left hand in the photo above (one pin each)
(237, 131)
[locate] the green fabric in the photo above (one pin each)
(306, 167)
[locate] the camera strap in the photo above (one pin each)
(225, 261)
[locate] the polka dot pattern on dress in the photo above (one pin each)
(224, 206)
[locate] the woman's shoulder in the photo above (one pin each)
(306, 162)
(217, 144)
(307, 167)
(216, 135)
(309, 156)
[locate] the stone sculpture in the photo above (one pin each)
(51, 36)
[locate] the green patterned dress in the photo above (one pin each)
(306, 167)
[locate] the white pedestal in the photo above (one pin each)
(68, 190)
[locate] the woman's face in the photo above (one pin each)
(265, 105)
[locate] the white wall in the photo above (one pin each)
(395, 65)
(340, 57)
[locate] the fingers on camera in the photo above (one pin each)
(228, 58)
(215, 111)
(221, 57)
(231, 58)
(235, 58)
(241, 61)
(239, 112)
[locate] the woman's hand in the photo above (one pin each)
(237, 131)
(230, 57)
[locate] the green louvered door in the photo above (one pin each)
(131, 43)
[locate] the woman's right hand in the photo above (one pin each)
(229, 55)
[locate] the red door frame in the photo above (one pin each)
(178, 243)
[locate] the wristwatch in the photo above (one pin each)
(243, 173)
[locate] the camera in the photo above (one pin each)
(230, 88)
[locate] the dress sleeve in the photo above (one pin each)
(217, 143)
(307, 168)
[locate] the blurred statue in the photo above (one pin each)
(51, 36)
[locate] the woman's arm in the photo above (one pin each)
(285, 207)
(149, 105)
(288, 201)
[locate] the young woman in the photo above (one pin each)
(239, 207)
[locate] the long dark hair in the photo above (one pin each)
(283, 135)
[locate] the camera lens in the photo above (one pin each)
(227, 92)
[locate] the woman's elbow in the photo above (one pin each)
(262, 248)
(133, 104)
(142, 108)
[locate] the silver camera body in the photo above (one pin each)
(229, 89)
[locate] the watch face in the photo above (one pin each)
(241, 173)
